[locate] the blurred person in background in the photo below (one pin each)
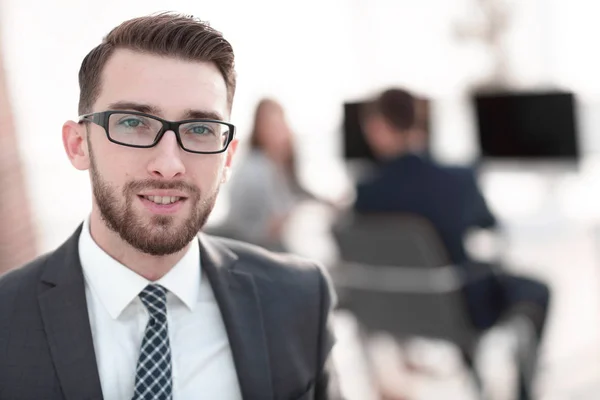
(264, 190)
(137, 305)
(406, 181)
(449, 198)
(421, 130)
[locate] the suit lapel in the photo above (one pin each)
(238, 299)
(65, 317)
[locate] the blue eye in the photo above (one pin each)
(199, 130)
(131, 123)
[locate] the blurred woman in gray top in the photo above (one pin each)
(264, 188)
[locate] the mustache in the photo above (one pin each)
(137, 186)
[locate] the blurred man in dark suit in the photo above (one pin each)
(450, 199)
(405, 181)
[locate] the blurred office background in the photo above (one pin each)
(314, 57)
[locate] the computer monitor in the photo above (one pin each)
(527, 126)
(355, 145)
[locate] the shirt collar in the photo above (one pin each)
(117, 286)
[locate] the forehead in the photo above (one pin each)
(169, 84)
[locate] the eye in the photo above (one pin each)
(130, 122)
(199, 130)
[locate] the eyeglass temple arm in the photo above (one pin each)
(89, 117)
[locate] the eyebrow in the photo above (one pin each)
(149, 109)
(200, 114)
(132, 106)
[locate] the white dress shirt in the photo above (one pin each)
(202, 362)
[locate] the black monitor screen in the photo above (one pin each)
(355, 145)
(527, 125)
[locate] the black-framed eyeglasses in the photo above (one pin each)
(136, 129)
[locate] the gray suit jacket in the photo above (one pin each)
(275, 308)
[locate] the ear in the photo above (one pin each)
(231, 150)
(75, 143)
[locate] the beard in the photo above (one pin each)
(161, 235)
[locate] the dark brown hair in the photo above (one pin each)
(256, 137)
(263, 107)
(164, 34)
(396, 106)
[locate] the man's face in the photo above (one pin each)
(157, 199)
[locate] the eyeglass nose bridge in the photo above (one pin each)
(166, 127)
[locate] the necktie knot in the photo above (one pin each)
(154, 298)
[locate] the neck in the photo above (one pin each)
(148, 266)
(392, 152)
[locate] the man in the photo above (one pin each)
(451, 200)
(135, 305)
(408, 182)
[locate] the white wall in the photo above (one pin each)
(312, 55)
(289, 56)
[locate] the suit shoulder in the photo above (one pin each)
(28, 273)
(262, 260)
(460, 175)
(287, 276)
(459, 171)
(283, 269)
(15, 284)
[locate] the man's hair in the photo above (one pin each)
(396, 106)
(164, 34)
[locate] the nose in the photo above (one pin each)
(166, 162)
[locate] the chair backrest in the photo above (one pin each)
(396, 277)
(389, 239)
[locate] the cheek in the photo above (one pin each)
(207, 174)
(114, 166)
(114, 175)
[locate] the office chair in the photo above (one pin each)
(395, 276)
